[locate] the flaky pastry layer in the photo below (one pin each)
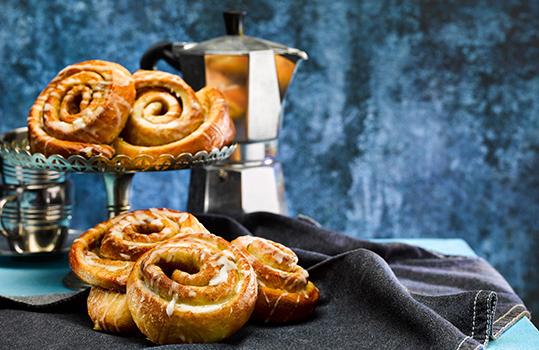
(169, 118)
(82, 110)
(197, 288)
(285, 293)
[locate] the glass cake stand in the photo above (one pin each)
(117, 172)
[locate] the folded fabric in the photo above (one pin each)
(372, 296)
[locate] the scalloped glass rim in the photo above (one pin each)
(17, 153)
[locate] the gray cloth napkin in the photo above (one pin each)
(372, 296)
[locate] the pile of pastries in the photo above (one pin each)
(161, 272)
(98, 108)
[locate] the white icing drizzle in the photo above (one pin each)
(182, 217)
(171, 305)
(275, 306)
(115, 233)
(200, 308)
(47, 107)
(79, 123)
(187, 230)
(226, 266)
(279, 256)
(266, 297)
(86, 150)
(107, 308)
(93, 260)
(237, 287)
(228, 254)
(156, 222)
(125, 256)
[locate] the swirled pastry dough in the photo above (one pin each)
(109, 311)
(285, 293)
(105, 255)
(197, 288)
(168, 117)
(166, 109)
(82, 110)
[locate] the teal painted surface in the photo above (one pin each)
(522, 335)
(33, 277)
(449, 246)
(410, 119)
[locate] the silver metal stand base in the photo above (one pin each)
(237, 188)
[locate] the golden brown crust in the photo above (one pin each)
(109, 312)
(166, 109)
(196, 288)
(160, 124)
(104, 255)
(284, 292)
(82, 110)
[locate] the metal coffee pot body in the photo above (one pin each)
(254, 76)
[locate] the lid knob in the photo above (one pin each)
(234, 21)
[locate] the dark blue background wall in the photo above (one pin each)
(410, 119)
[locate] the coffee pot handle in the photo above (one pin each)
(164, 50)
(3, 202)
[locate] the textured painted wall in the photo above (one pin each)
(410, 119)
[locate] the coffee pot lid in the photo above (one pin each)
(236, 43)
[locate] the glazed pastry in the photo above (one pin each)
(166, 109)
(196, 288)
(285, 293)
(82, 110)
(109, 311)
(105, 255)
(169, 118)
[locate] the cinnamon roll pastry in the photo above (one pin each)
(168, 117)
(109, 311)
(196, 288)
(105, 255)
(285, 293)
(82, 110)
